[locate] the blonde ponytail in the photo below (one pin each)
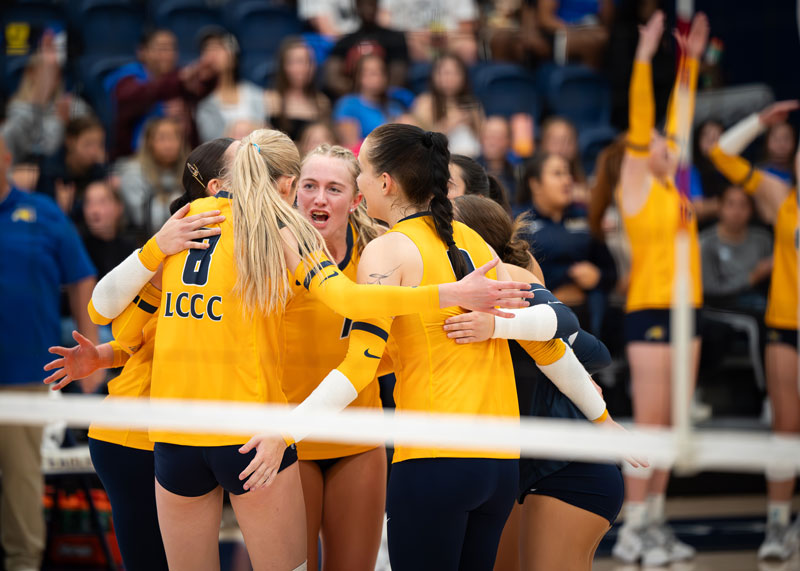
(259, 213)
(366, 228)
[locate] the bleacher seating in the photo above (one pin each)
(185, 18)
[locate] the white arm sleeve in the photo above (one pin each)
(333, 394)
(737, 138)
(572, 379)
(534, 323)
(119, 287)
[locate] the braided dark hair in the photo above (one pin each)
(419, 160)
(202, 164)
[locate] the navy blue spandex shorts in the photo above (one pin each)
(785, 336)
(447, 514)
(653, 325)
(127, 475)
(193, 471)
(597, 488)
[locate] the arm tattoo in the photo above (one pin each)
(376, 278)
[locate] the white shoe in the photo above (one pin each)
(628, 547)
(662, 547)
(780, 542)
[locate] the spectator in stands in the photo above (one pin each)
(40, 108)
(103, 211)
(41, 253)
(577, 267)
(80, 161)
(296, 102)
(515, 35)
(315, 135)
(155, 87)
(579, 28)
(495, 147)
(736, 258)
(467, 176)
(151, 180)
(434, 26)
(329, 18)
(706, 184)
(560, 136)
(357, 114)
(450, 107)
(368, 38)
(234, 98)
(779, 149)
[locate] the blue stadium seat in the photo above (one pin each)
(579, 94)
(258, 68)
(261, 27)
(91, 71)
(506, 89)
(13, 68)
(185, 18)
(108, 27)
(591, 141)
(419, 74)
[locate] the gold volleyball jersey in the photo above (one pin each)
(316, 342)
(207, 344)
(782, 303)
(133, 381)
(651, 233)
(434, 374)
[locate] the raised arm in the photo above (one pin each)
(680, 113)
(768, 190)
(634, 174)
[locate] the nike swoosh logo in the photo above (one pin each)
(334, 274)
(370, 355)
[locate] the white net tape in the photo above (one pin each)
(737, 451)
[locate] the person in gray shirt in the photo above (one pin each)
(736, 258)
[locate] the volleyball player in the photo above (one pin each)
(446, 508)
(123, 457)
(777, 203)
(344, 485)
(565, 508)
(189, 468)
(654, 212)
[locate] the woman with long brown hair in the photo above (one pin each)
(296, 102)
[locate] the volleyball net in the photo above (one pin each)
(706, 450)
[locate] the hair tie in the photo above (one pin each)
(257, 147)
(427, 139)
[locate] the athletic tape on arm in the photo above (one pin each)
(117, 288)
(736, 139)
(546, 318)
(572, 379)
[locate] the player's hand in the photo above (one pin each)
(471, 327)
(478, 293)
(697, 39)
(74, 363)
(177, 233)
(261, 471)
(650, 37)
(778, 112)
(635, 461)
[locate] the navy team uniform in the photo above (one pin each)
(594, 487)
